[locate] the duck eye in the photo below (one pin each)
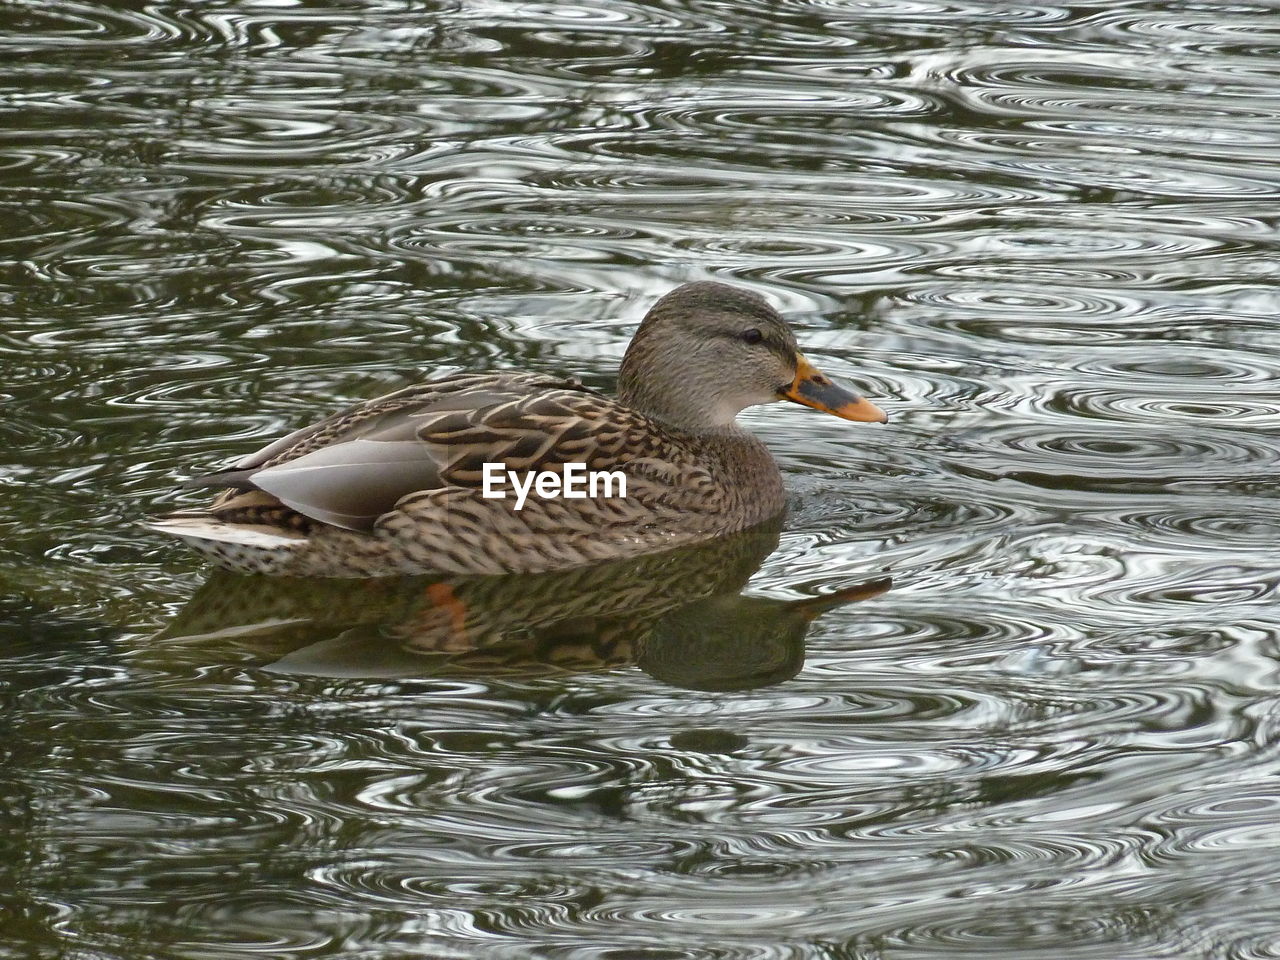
(751, 335)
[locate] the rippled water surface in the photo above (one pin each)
(1043, 238)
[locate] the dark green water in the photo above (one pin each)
(1043, 238)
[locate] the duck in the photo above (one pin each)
(409, 483)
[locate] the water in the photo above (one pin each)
(1042, 237)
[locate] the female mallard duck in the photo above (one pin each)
(396, 485)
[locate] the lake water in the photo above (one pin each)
(1043, 238)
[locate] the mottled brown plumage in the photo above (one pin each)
(394, 485)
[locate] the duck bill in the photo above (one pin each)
(814, 389)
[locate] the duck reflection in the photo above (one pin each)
(679, 616)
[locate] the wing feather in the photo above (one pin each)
(355, 466)
(351, 484)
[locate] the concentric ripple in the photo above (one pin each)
(1040, 236)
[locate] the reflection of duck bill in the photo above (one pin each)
(813, 607)
(739, 643)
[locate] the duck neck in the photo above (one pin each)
(675, 404)
(740, 463)
(695, 420)
(743, 466)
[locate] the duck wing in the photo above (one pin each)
(351, 468)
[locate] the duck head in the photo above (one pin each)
(706, 351)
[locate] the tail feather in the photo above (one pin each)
(202, 530)
(236, 479)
